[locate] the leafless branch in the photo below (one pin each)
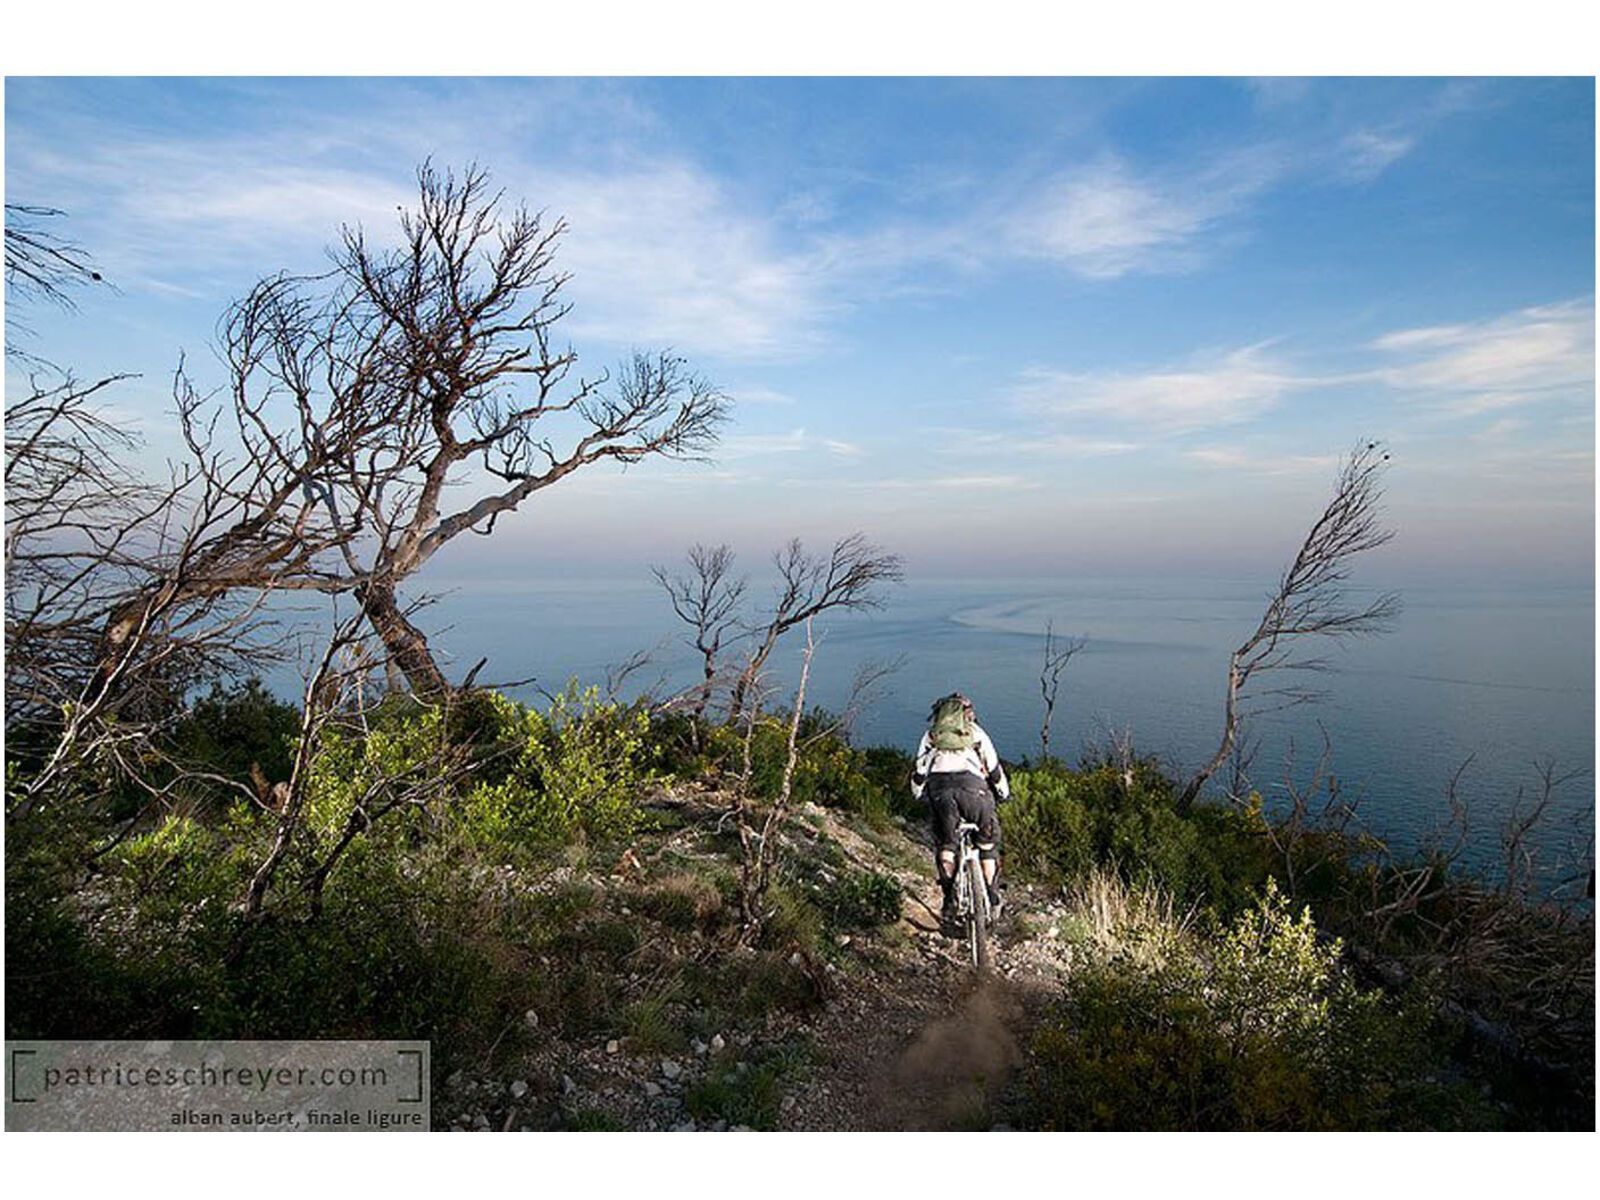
(1312, 601)
(1057, 654)
(851, 576)
(706, 598)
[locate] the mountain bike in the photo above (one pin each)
(972, 896)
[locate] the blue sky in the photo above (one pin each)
(1006, 327)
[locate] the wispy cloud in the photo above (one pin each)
(662, 254)
(962, 483)
(1224, 389)
(1536, 353)
(659, 252)
(1368, 153)
(1071, 445)
(759, 396)
(1104, 219)
(796, 441)
(1243, 460)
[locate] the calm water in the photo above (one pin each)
(1506, 677)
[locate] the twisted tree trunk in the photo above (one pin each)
(406, 644)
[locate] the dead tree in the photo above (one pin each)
(365, 398)
(707, 600)
(758, 847)
(851, 576)
(1057, 654)
(102, 635)
(1312, 601)
(1521, 870)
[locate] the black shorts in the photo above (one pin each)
(956, 796)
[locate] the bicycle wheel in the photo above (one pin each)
(978, 916)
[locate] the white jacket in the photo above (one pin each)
(978, 759)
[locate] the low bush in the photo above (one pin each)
(860, 900)
(830, 771)
(748, 1092)
(575, 770)
(1256, 1026)
(1061, 822)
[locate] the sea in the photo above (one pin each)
(1491, 687)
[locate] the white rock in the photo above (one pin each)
(717, 1043)
(519, 1088)
(670, 1069)
(567, 1086)
(788, 1103)
(531, 1019)
(652, 1090)
(613, 1046)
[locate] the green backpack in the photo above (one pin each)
(950, 725)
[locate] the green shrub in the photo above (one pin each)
(1048, 832)
(829, 771)
(576, 770)
(1256, 1027)
(1061, 822)
(233, 729)
(749, 1092)
(860, 900)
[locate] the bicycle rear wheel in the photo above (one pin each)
(978, 916)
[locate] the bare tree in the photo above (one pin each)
(360, 397)
(102, 634)
(1312, 601)
(758, 846)
(851, 576)
(1057, 654)
(706, 599)
(1521, 874)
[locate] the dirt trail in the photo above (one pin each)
(922, 1041)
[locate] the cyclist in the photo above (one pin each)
(959, 772)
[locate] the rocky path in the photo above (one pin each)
(909, 1035)
(921, 1040)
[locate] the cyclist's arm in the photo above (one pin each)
(919, 769)
(994, 772)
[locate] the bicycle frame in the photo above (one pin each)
(972, 894)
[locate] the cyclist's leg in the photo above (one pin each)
(975, 803)
(983, 815)
(944, 812)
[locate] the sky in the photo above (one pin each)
(1023, 327)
